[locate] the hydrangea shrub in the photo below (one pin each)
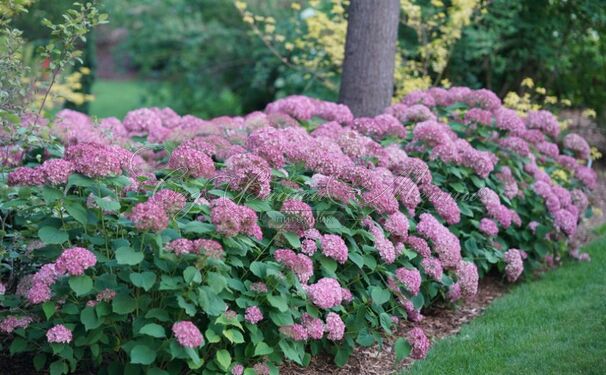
(162, 243)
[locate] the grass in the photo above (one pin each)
(116, 98)
(555, 325)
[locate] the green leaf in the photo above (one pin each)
(192, 274)
(145, 280)
(126, 255)
(79, 180)
(290, 351)
(343, 354)
(49, 309)
(198, 227)
(18, 345)
(216, 282)
(123, 304)
(258, 269)
(280, 302)
(380, 295)
(210, 302)
(52, 235)
(158, 314)
(88, 317)
(142, 354)
(189, 308)
(258, 205)
(292, 239)
(223, 358)
(401, 348)
(234, 336)
(156, 371)
(364, 338)
(77, 211)
(357, 259)
(212, 336)
(107, 204)
(333, 224)
(51, 195)
(58, 368)
(39, 361)
(81, 285)
(262, 349)
(153, 330)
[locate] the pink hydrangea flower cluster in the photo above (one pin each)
(514, 264)
(170, 200)
(59, 334)
(446, 244)
(489, 227)
(300, 264)
(231, 219)
(253, 314)
(578, 145)
(334, 247)
(187, 334)
(410, 278)
(419, 342)
(543, 121)
(443, 203)
(98, 160)
(247, 173)
(384, 246)
(326, 293)
(149, 216)
(12, 322)
(467, 274)
(314, 326)
(334, 326)
(192, 162)
(299, 216)
(433, 268)
(75, 261)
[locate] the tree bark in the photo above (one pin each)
(370, 50)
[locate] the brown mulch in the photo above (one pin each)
(438, 322)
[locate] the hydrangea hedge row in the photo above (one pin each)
(162, 243)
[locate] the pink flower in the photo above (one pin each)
(171, 201)
(483, 99)
(300, 264)
(543, 121)
(149, 216)
(446, 244)
(433, 268)
(489, 227)
(419, 342)
(247, 173)
(75, 261)
(578, 144)
(192, 162)
(97, 160)
(11, 322)
(297, 332)
(299, 216)
(238, 369)
(26, 176)
(514, 264)
(231, 219)
(313, 326)
(467, 274)
(56, 171)
(180, 246)
(187, 334)
(411, 278)
(253, 315)
(334, 326)
(397, 225)
(334, 247)
(258, 287)
(419, 245)
(210, 248)
(443, 202)
(59, 334)
(326, 293)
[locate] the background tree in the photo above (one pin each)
(370, 49)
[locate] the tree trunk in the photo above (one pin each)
(370, 50)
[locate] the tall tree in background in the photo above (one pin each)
(370, 49)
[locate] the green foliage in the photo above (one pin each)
(557, 43)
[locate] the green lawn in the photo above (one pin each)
(555, 325)
(116, 98)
